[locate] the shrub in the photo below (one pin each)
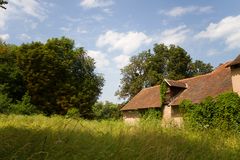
(5, 103)
(106, 110)
(151, 114)
(73, 113)
(24, 106)
(222, 112)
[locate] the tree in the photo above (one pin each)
(2, 3)
(134, 75)
(199, 68)
(59, 76)
(147, 69)
(106, 110)
(11, 79)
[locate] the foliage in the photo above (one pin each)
(5, 103)
(59, 76)
(151, 114)
(147, 69)
(135, 75)
(24, 106)
(73, 112)
(56, 75)
(2, 3)
(199, 68)
(11, 79)
(222, 112)
(39, 137)
(163, 91)
(106, 110)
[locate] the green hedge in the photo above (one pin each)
(222, 112)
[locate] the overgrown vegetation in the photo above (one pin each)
(222, 112)
(163, 91)
(106, 110)
(39, 137)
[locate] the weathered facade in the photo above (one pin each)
(224, 78)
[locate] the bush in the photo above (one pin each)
(222, 112)
(24, 106)
(106, 110)
(73, 113)
(151, 114)
(5, 103)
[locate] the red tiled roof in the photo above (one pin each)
(174, 83)
(146, 98)
(235, 61)
(211, 84)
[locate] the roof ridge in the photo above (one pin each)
(152, 86)
(216, 70)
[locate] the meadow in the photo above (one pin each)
(57, 138)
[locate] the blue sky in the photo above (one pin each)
(111, 31)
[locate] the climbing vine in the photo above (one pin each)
(163, 90)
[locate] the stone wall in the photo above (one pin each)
(235, 71)
(131, 117)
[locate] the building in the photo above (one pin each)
(224, 78)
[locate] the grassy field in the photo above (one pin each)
(39, 137)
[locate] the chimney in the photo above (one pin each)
(235, 73)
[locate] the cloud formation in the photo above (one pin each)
(99, 57)
(24, 37)
(125, 42)
(88, 4)
(228, 29)
(174, 35)
(19, 9)
(4, 37)
(179, 11)
(121, 60)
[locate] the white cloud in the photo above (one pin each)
(179, 11)
(4, 37)
(24, 37)
(121, 60)
(213, 52)
(81, 30)
(96, 3)
(19, 9)
(99, 57)
(65, 29)
(125, 42)
(30, 7)
(227, 29)
(174, 35)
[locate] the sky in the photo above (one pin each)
(111, 31)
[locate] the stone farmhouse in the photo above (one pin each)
(225, 78)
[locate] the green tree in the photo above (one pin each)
(59, 76)
(2, 3)
(199, 68)
(11, 79)
(134, 75)
(106, 110)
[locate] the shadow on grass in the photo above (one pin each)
(20, 143)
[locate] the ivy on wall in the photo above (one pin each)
(163, 91)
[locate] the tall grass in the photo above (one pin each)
(40, 137)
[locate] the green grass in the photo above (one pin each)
(40, 137)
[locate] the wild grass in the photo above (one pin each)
(56, 138)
